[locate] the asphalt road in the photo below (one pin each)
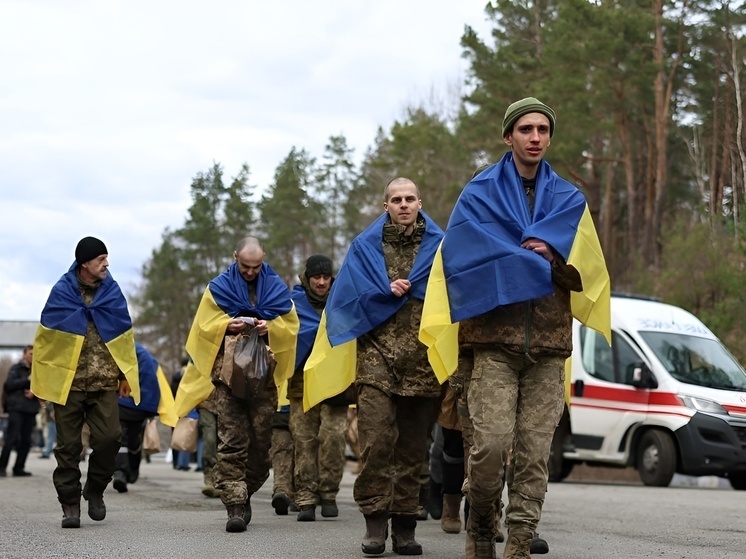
(165, 515)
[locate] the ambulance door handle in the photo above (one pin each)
(579, 387)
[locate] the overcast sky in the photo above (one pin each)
(108, 109)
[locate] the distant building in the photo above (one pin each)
(15, 334)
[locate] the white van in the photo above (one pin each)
(666, 398)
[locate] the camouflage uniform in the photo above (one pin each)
(92, 400)
(208, 428)
(318, 435)
(397, 394)
(282, 454)
(244, 438)
(514, 395)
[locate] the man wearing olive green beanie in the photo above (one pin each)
(512, 229)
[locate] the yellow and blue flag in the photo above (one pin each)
(227, 297)
(360, 300)
(155, 392)
(309, 324)
(59, 338)
(481, 264)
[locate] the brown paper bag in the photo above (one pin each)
(184, 437)
(151, 441)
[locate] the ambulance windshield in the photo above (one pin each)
(698, 361)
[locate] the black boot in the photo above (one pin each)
(435, 500)
(247, 511)
(376, 532)
(281, 503)
(402, 535)
(236, 522)
(71, 515)
(120, 481)
(424, 494)
(96, 507)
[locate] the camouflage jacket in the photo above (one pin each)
(539, 326)
(390, 357)
(96, 369)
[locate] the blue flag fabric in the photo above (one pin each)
(67, 312)
(360, 298)
(484, 264)
(309, 324)
(231, 294)
(150, 392)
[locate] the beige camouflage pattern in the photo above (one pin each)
(319, 437)
(502, 421)
(96, 370)
(281, 455)
(244, 440)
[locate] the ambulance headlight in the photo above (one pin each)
(703, 405)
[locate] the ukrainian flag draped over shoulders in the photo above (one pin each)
(360, 299)
(481, 264)
(59, 338)
(226, 297)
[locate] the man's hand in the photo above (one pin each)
(539, 247)
(261, 326)
(124, 388)
(236, 326)
(28, 394)
(400, 287)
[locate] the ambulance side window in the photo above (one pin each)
(625, 356)
(597, 356)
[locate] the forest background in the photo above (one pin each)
(649, 96)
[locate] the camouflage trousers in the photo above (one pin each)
(208, 429)
(393, 434)
(244, 439)
(513, 403)
(282, 455)
(319, 437)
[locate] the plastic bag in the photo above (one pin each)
(253, 365)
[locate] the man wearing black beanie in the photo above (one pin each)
(85, 317)
(319, 433)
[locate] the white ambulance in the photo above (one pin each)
(666, 398)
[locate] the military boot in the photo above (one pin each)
(518, 545)
(480, 535)
(208, 487)
(376, 532)
(329, 508)
(71, 515)
(402, 535)
(539, 545)
(450, 522)
(96, 507)
(281, 503)
(247, 510)
(236, 522)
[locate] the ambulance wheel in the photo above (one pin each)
(656, 458)
(738, 481)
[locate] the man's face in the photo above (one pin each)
(249, 263)
(403, 203)
(28, 356)
(95, 270)
(320, 284)
(529, 139)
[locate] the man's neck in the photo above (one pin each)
(526, 171)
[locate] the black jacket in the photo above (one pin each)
(19, 380)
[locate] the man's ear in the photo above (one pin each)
(508, 139)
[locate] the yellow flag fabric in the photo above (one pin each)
(328, 370)
(166, 411)
(437, 331)
(592, 306)
(283, 335)
(56, 355)
(122, 349)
